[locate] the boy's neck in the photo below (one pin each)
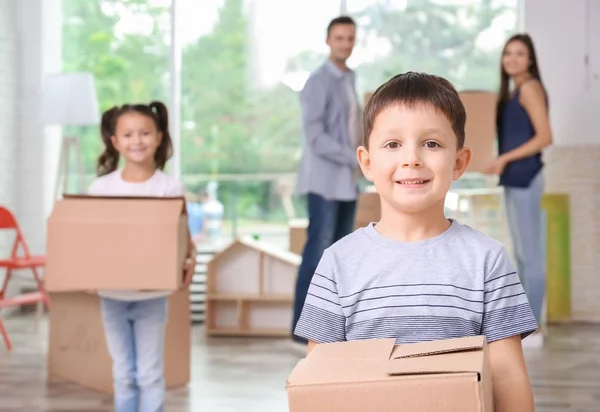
(137, 173)
(412, 227)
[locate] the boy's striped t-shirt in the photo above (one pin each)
(460, 283)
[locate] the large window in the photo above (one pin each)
(457, 39)
(125, 44)
(460, 40)
(243, 64)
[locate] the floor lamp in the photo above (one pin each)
(70, 99)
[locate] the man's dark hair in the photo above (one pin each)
(412, 89)
(340, 20)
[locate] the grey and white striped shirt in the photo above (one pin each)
(460, 283)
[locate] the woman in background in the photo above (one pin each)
(523, 132)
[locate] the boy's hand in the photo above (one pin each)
(188, 270)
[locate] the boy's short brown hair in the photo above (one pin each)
(417, 88)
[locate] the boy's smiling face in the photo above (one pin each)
(413, 157)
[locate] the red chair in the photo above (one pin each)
(19, 261)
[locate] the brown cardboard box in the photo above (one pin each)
(130, 243)
(298, 235)
(77, 347)
(378, 376)
(368, 209)
(480, 128)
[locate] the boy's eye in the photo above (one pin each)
(432, 145)
(393, 145)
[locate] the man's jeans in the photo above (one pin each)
(524, 215)
(329, 221)
(135, 332)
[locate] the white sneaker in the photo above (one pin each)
(535, 340)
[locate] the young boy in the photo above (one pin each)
(416, 275)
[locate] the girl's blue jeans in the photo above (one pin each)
(135, 332)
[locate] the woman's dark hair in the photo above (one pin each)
(157, 111)
(534, 71)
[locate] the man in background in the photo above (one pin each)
(327, 175)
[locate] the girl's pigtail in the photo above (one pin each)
(165, 150)
(109, 159)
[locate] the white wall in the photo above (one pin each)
(567, 37)
(594, 43)
(9, 118)
(30, 47)
(9, 88)
(566, 34)
(40, 53)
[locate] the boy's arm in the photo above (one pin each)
(507, 319)
(512, 390)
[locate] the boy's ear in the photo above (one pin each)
(364, 161)
(463, 159)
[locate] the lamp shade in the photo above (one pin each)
(70, 99)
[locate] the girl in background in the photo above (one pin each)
(134, 321)
(523, 132)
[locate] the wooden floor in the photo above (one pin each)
(250, 374)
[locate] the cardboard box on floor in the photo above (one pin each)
(368, 209)
(126, 243)
(77, 346)
(378, 376)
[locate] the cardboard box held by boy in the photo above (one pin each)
(379, 376)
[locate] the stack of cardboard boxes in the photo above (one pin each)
(108, 243)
